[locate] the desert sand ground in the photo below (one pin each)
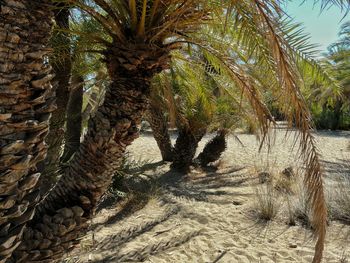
(209, 215)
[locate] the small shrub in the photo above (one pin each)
(299, 208)
(281, 190)
(266, 202)
(339, 200)
(284, 184)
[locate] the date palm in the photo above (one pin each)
(333, 101)
(200, 98)
(136, 38)
(61, 62)
(193, 110)
(213, 149)
(88, 76)
(132, 58)
(190, 97)
(158, 116)
(26, 100)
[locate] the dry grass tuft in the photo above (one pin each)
(285, 181)
(267, 203)
(299, 209)
(339, 199)
(282, 191)
(282, 180)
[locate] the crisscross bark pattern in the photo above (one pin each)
(62, 216)
(26, 100)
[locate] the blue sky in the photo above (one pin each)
(323, 27)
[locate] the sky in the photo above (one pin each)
(323, 27)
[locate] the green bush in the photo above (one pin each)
(327, 118)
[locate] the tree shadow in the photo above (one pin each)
(341, 167)
(333, 134)
(183, 185)
(146, 167)
(143, 253)
(170, 186)
(203, 188)
(111, 247)
(124, 236)
(126, 207)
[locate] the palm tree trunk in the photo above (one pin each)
(213, 149)
(74, 118)
(26, 100)
(185, 148)
(61, 65)
(62, 216)
(160, 131)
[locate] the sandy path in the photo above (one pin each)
(208, 217)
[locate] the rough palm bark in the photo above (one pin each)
(159, 126)
(74, 118)
(185, 148)
(62, 216)
(26, 100)
(213, 149)
(61, 63)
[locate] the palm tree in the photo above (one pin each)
(26, 100)
(329, 102)
(213, 149)
(156, 116)
(87, 71)
(159, 125)
(132, 58)
(61, 62)
(138, 45)
(193, 109)
(189, 97)
(135, 38)
(74, 117)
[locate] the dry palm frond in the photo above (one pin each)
(301, 117)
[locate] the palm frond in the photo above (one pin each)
(301, 117)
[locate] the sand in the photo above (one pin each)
(209, 216)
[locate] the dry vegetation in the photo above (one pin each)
(281, 192)
(339, 200)
(284, 192)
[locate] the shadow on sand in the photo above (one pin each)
(170, 186)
